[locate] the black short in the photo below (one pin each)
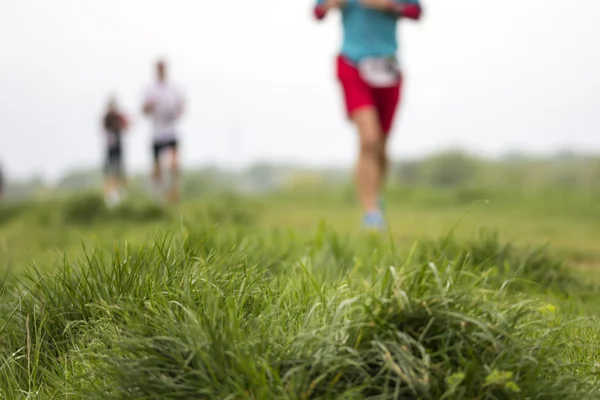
(159, 147)
(114, 162)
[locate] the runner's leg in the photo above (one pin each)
(107, 175)
(111, 193)
(387, 100)
(156, 168)
(384, 163)
(120, 178)
(369, 172)
(361, 108)
(174, 192)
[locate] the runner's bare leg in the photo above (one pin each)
(174, 192)
(157, 177)
(384, 162)
(369, 171)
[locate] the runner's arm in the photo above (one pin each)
(124, 121)
(148, 105)
(181, 109)
(324, 6)
(320, 10)
(104, 124)
(410, 9)
(182, 104)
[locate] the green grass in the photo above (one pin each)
(283, 298)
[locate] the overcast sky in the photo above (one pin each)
(486, 75)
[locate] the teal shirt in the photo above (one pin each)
(368, 32)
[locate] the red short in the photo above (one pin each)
(357, 94)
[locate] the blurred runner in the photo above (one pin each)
(115, 125)
(164, 103)
(371, 81)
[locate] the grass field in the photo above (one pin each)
(283, 297)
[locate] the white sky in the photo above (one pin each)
(487, 75)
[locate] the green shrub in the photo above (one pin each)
(89, 208)
(232, 312)
(436, 334)
(523, 267)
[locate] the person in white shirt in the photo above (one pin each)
(164, 103)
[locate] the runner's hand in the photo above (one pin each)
(377, 4)
(149, 107)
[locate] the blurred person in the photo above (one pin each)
(164, 103)
(115, 124)
(371, 80)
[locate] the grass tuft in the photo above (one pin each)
(224, 310)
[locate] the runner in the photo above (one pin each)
(115, 124)
(164, 104)
(371, 81)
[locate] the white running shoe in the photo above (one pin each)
(112, 199)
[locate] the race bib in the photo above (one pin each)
(380, 72)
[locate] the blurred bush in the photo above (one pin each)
(230, 208)
(90, 207)
(456, 169)
(562, 183)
